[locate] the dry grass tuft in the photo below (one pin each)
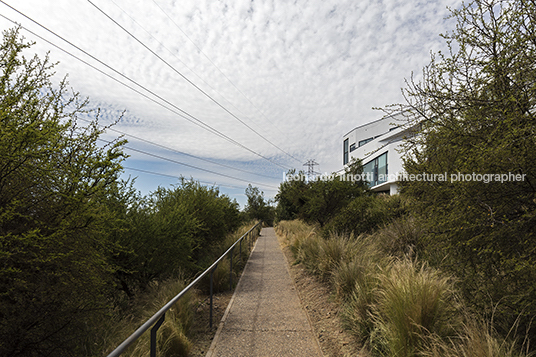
(414, 302)
(393, 304)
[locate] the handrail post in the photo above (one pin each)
(158, 318)
(153, 334)
(231, 271)
(211, 292)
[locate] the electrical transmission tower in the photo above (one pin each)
(311, 169)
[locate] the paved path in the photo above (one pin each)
(265, 317)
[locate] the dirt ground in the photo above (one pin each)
(317, 300)
(322, 311)
(203, 334)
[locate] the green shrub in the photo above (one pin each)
(317, 201)
(474, 111)
(55, 277)
(172, 230)
(365, 214)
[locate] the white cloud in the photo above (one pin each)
(313, 68)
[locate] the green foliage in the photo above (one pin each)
(475, 107)
(217, 214)
(290, 198)
(78, 245)
(172, 231)
(325, 199)
(54, 273)
(257, 207)
(318, 201)
(365, 214)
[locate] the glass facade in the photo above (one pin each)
(376, 170)
(363, 142)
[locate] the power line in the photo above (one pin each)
(189, 81)
(178, 177)
(191, 69)
(187, 165)
(215, 66)
(140, 151)
(199, 123)
(126, 85)
(180, 152)
(190, 155)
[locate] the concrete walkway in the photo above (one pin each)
(265, 317)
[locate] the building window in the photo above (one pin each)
(352, 147)
(376, 170)
(345, 152)
(363, 142)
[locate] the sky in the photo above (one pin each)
(232, 93)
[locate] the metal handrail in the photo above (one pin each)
(158, 317)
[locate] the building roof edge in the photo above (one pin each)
(374, 121)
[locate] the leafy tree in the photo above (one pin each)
(365, 214)
(291, 197)
(54, 275)
(325, 198)
(475, 108)
(170, 232)
(319, 200)
(257, 207)
(217, 214)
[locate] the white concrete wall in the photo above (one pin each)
(387, 140)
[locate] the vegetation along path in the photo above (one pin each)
(265, 317)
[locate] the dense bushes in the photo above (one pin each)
(78, 245)
(475, 111)
(365, 214)
(318, 201)
(170, 231)
(393, 304)
(257, 208)
(54, 272)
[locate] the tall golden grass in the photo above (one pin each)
(173, 334)
(394, 304)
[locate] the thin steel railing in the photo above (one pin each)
(158, 318)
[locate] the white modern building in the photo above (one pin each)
(378, 145)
